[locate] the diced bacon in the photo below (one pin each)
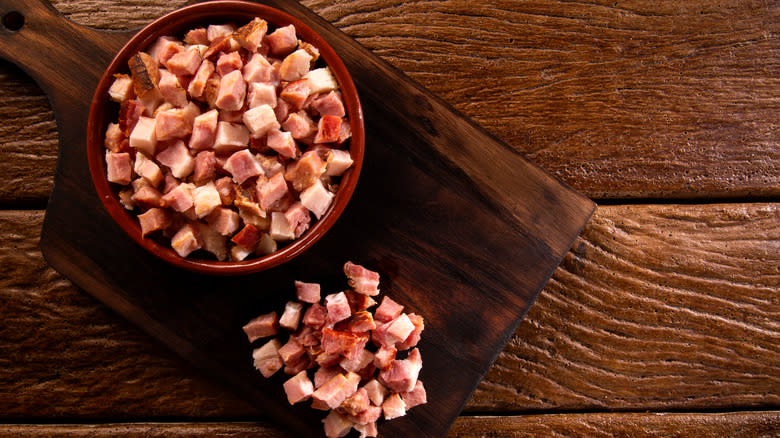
(282, 41)
(328, 129)
(310, 49)
(204, 131)
(388, 310)
(231, 93)
(197, 36)
(364, 359)
(296, 93)
(129, 112)
(368, 429)
(250, 36)
(338, 307)
(164, 48)
(298, 388)
(143, 137)
(384, 357)
(300, 125)
(140, 183)
(307, 336)
(148, 170)
(229, 62)
(230, 137)
(148, 197)
(170, 182)
(298, 218)
(328, 359)
(291, 316)
(198, 83)
(206, 199)
(363, 281)
(212, 241)
(282, 111)
(315, 315)
(337, 389)
(266, 246)
(329, 104)
(205, 167)
(292, 351)
(338, 162)
(121, 89)
(260, 120)
(376, 392)
(282, 142)
(215, 31)
(151, 101)
(336, 425)
(261, 93)
(247, 237)
(402, 375)
(180, 197)
(321, 80)
(417, 396)
(272, 191)
(171, 124)
(307, 292)
(317, 199)
(267, 359)
(154, 219)
(414, 337)
(393, 407)
(347, 344)
(186, 240)
(224, 220)
(258, 69)
(305, 171)
(221, 44)
(323, 374)
(171, 89)
(295, 65)
(126, 199)
(400, 328)
(358, 301)
(356, 403)
(280, 228)
(304, 363)
(271, 165)
(226, 190)
(177, 157)
(238, 253)
(361, 321)
(242, 165)
(145, 73)
(119, 168)
(231, 116)
(344, 133)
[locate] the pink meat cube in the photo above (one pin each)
(298, 388)
(298, 218)
(317, 199)
(185, 63)
(364, 359)
(337, 389)
(164, 48)
(344, 133)
(231, 93)
(224, 220)
(356, 403)
(414, 337)
(204, 131)
(393, 407)
(282, 142)
(323, 374)
(272, 191)
(186, 240)
(328, 129)
(114, 138)
(177, 157)
(307, 336)
(247, 238)
(315, 316)
(400, 328)
(295, 65)
(197, 36)
(329, 104)
(206, 198)
(250, 36)
(154, 219)
(121, 89)
(296, 93)
(258, 69)
(366, 422)
(261, 93)
(291, 316)
(231, 137)
(148, 169)
(388, 310)
(179, 198)
(336, 425)
(417, 396)
(171, 90)
(360, 321)
(215, 31)
(282, 41)
(226, 189)
(205, 167)
(306, 171)
(119, 167)
(307, 292)
(267, 359)
(338, 307)
(263, 326)
(143, 137)
(292, 351)
(229, 62)
(402, 375)
(363, 281)
(376, 392)
(172, 124)
(384, 357)
(242, 165)
(347, 344)
(260, 120)
(338, 161)
(282, 111)
(198, 83)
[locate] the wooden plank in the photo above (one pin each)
(664, 425)
(656, 307)
(629, 101)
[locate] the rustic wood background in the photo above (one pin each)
(664, 318)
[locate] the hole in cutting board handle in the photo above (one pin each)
(13, 21)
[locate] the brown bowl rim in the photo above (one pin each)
(174, 23)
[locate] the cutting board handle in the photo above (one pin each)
(61, 56)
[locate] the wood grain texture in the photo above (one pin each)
(634, 319)
(735, 425)
(645, 99)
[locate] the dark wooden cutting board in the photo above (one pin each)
(463, 229)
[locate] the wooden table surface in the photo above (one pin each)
(664, 317)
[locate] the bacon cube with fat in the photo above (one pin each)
(154, 219)
(317, 199)
(261, 93)
(298, 388)
(417, 396)
(402, 375)
(291, 317)
(247, 237)
(262, 326)
(329, 104)
(230, 137)
(198, 83)
(177, 157)
(206, 199)
(298, 218)
(337, 389)
(307, 292)
(242, 165)
(338, 161)
(204, 131)
(171, 89)
(338, 307)
(260, 120)
(267, 359)
(179, 198)
(271, 191)
(186, 240)
(347, 344)
(292, 351)
(205, 167)
(393, 407)
(119, 167)
(306, 171)
(295, 65)
(258, 69)
(143, 137)
(121, 89)
(224, 220)
(231, 93)
(315, 316)
(336, 425)
(376, 392)
(147, 169)
(320, 81)
(228, 62)
(250, 36)
(363, 281)
(328, 129)
(282, 41)
(283, 143)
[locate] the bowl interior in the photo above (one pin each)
(103, 111)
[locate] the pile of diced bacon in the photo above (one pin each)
(229, 140)
(343, 358)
